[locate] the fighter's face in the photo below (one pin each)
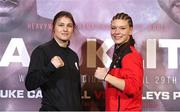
(13, 12)
(120, 31)
(63, 29)
(172, 8)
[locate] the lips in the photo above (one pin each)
(7, 6)
(64, 34)
(117, 37)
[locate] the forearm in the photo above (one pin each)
(34, 80)
(116, 82)
(37, 77)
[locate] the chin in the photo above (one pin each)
(118, 42)
(65, 40)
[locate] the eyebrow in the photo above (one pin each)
(119, 26)
(63, 23)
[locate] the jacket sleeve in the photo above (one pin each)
(132, 73)
(38, 71)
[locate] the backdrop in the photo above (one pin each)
(25, 24)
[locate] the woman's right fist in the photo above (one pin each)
(57, 61)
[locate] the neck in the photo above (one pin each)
(119, 45)
(61, 43)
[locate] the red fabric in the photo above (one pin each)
(132, 72)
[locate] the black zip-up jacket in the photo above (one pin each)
(60, 87)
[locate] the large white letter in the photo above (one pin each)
(151, 53)
(23, 57)
(172, 45)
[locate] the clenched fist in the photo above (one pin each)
(57, 61)
(100, 73)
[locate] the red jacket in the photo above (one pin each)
(131, 71)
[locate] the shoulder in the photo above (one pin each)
(47, 44)
(73, 53)
(42, 47)
(134, 55)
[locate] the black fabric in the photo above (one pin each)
(47, 108)
(120, 51)
(60, 87)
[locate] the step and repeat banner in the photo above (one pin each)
(25, 24)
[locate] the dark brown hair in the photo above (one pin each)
(123, 16)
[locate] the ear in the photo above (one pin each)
(131, 31)
(53, 30)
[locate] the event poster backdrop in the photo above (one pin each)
(25, 24)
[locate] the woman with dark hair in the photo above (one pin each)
(54, 67)
(125, 77)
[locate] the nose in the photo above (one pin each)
(65, 28)
(118, 32)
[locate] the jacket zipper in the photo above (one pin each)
(118, 103)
